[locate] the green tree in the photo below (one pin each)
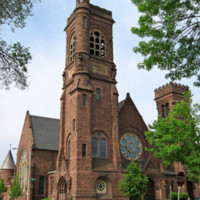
(176, 138)
(14, 58)
(172, 31)
(3, 189)
(15, 189)
(134, 183)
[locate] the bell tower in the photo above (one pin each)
(89, 163)
(167, 95)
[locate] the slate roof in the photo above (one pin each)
(46, 132)
(8, 162)
(120, 104)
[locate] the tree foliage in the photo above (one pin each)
(14, 58)
(3, 189)
(172, 28)
(176, 138)
(134, 183)
(15, 189)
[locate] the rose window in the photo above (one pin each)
(131, 147)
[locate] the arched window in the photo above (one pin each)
(97, 43)
(72, 47)
(41, 185)
(94, 147)
(23, 169)
(99, 146)
(103, 148)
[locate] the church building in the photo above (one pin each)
(84, 154)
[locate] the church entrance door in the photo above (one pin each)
(62, 189)
(150, 194)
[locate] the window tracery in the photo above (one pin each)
(131, 146)
(101, 187)
(99, 146)
(23, 169)
(97, 43)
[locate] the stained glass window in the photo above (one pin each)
(99, 146)
(23, 169)
(103, 150)
(131, 147)
(94, 147)
(101, 187)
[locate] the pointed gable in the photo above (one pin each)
(129, 115)
(131, 122)
(8, 162)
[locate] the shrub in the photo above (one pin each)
(183, 196)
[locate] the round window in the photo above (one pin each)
(101, 186)
(131, 146)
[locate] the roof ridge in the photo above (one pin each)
(44, 117)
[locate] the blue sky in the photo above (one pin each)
(47, 41)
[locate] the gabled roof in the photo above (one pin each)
(45, 132)
(8, 162)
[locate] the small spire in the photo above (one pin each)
(9, 161)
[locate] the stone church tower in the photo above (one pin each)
(167, 95)
(88, 163)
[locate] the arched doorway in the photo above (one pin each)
(150, 194)
(190, 189)
(62, 189)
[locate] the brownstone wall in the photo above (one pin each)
(7, 175)
(42, 163)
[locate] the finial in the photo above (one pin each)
(80, 3)
(10, 146)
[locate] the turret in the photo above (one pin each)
(7, 169)
(167, 95)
